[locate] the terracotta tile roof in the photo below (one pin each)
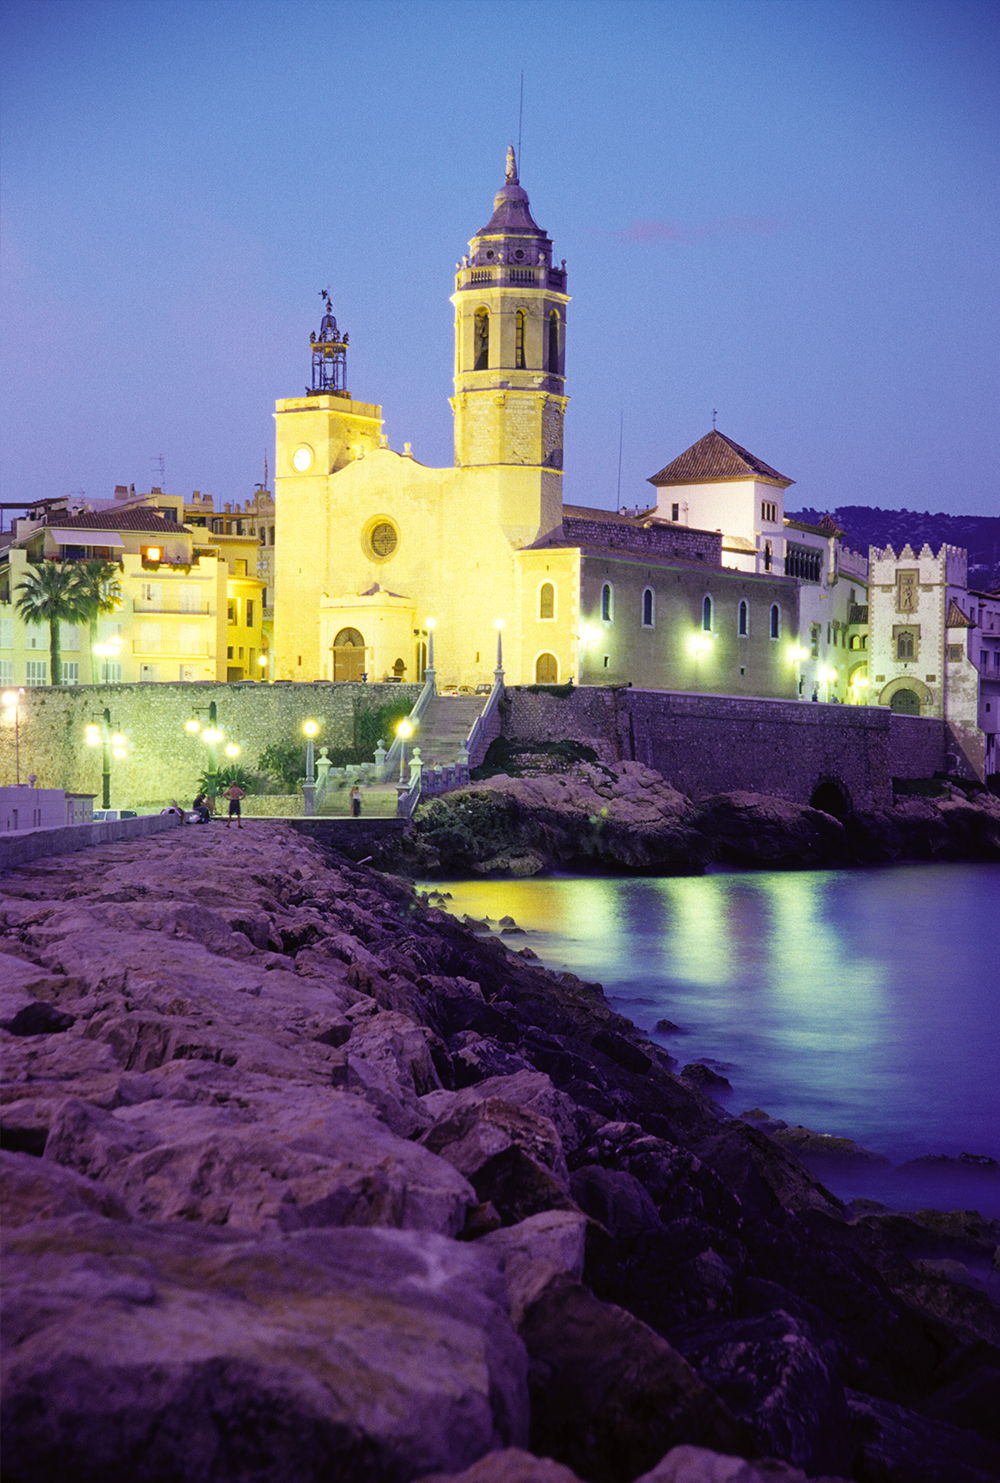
(716, 457)
(956, 618)
(131, 519)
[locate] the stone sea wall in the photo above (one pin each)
(163, 760)
(706, 744)
(305, 1180)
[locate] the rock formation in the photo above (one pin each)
(624, 816)
(304, 1180)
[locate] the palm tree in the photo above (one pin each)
(100, 592)
(50, 594)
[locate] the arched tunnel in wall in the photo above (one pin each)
(832, 797)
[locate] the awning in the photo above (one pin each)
(86, 537)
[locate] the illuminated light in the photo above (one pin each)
(862, 682)
(797, 654)
(109, 650)
(404, 730)
(93, 736)
(118, 752)
(232, 750)
(701, 643)
(117, 739)
(590, 634)
(310, 727)
(193, 726)
(153, 553)
(262, 661)
(431, 623)
(10, 697)
(211, 735)
(499, 623)
(828, 674)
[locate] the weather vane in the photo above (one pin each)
(324, 294)
(714, 416)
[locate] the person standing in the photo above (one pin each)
(235, 794)
(355, 796)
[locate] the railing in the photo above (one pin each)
(423, 700)
(483, 723)
(163, 605)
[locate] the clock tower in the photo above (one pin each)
(510, 341)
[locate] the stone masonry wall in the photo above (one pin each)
(707, 744)
(164, 761)
(659, 540)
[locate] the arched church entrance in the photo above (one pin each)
(348, 655)
(905, 703)
(546, 670)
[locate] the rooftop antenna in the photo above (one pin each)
(158, 463)
(520, 116)
(621, 432)
(714, 416)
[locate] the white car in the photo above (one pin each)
(110, 815)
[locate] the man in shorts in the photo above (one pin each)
(234, 793)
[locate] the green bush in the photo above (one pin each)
(225, 777)
(285, 761)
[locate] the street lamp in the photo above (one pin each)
(11, 699)
(212, 736)
(403, 731)
(429, 672)
(112, 743)
(310, 728)
(263, 662)
(110, 649)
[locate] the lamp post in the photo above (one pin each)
(11, 699)
(263, 660)
(403, 731)
(310, 728)
(111, 649)
(429, 672)
(212, 736)
(112, 743)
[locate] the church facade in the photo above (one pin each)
(373, 548)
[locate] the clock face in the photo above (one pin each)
(383, 539)
(302, 459)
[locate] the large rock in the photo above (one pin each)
(609, 1396)
(136, 1356)
(261, 1160)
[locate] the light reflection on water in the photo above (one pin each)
(863, 1003)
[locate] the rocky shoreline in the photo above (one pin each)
(624, 816)
(305, 1180)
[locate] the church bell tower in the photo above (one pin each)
(510, 341)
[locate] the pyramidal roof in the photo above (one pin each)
(716, 457)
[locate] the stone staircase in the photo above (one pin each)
(444, 727)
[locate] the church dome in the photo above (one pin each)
(511, 211)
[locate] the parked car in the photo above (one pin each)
(484, 689)
(109, 815)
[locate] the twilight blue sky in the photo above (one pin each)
(786, 210)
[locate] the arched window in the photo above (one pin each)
(481, 341)
(547, 601)
(744, 620)
(546, 670)
(706, 615)
(775, 621)
(647, 607)
(607, 602)
(554, 343)
(519, 340)
(904, 644)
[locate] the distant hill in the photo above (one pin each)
(977, 534)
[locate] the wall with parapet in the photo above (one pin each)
(707, 744)
(164, 761)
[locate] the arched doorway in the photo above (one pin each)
(905, 703)
(348, 655)
(546, 670)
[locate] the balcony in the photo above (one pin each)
(171, 604)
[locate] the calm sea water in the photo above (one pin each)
(864, 1003)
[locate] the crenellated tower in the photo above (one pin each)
(510, 341)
